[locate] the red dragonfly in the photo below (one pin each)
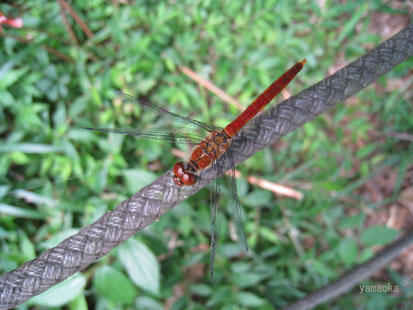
(208, 149)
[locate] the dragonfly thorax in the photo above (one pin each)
(203, 155)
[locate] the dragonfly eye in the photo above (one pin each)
(188, 179)
(179, 169)
(182, 177)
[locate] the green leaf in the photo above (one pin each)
(61, 293)
(366, 254)
(26, 246)
(268, 234)
(4, 190)
(147, 303)
(79, 303)
(219, 295)
(348, 250)
(32, 148)
(19, 158)
(250, 300)
(322, 268)
(138, 178)
(269, 63)
(35, 199)
(352, 221)
(96, 96)
(248, 279)
(201, 290)
(146, 85)
(366, 150)
(114, 285)
(20, 212)
(258, 198)
(230, 250)
(378, 235)
(11, 77)
(351, 23)
(141, 265)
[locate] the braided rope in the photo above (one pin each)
(132, 215)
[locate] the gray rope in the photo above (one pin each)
(347, 281)
(132, 215)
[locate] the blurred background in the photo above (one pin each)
(352, 165)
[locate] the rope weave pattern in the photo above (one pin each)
(132, 215)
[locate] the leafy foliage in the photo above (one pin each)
(57, 177)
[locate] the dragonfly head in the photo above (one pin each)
(183, 177)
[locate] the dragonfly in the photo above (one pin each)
(208, 150)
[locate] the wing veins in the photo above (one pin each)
(185, 138)
(235, 205)
(149, 106)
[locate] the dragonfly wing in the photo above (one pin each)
(178, 136)
(165, 113)
(214, 195)
(235, 203)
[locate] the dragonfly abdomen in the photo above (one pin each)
(217, 142)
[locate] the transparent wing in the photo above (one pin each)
(235, 204)
(164, 113)
(214, 194)
(181, 135)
